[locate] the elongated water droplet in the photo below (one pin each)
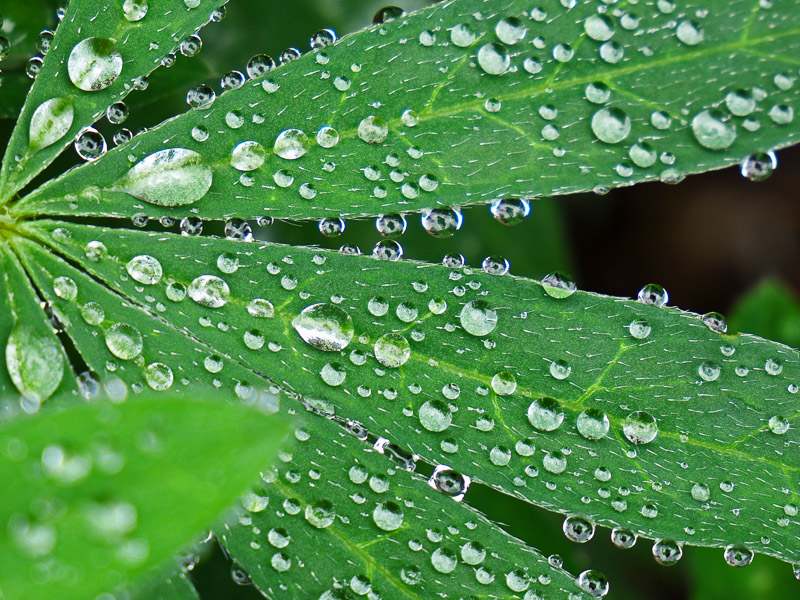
(326, 327)
(171, 177)
(50, 122)
(35, 362)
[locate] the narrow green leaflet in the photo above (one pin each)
(100, 53)
(463, 102)
(617, 412)
(36, 366)
(331, 520)
(80, 504)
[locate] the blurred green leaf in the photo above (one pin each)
(772, 310)
(174, 587)
(97, 495)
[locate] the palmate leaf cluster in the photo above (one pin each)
(408, 381)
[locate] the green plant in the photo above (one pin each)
(627, 414)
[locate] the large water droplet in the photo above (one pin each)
(611, 125)
(435, 415)
(94, 64)
(210, 291)
(291, 144)
(145, 269)
(545, 414)
(248, 156)
(640, 427)
(171, 177)
(124, 341)
(593, 424)
(388, 516)
(713, 129)
(35, 362)
(494, 59)
(373, 130)
(392, 350)
(578, 529)
(321, 514)
(325, 327)
(50, 122)
(478, 318)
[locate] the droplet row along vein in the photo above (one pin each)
(584, 404)
(497, 100)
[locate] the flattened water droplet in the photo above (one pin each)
(170, 177)
(493, 58)
(611, 125)
(145, 269)
(559, 285)
(50, 122)
(291, 144)
(599, 28)
(388, 516)
(478, 318)
(94, 64)
(209, 291)
(593, 424)
(373, 130)
(689, 32)
(640, 427)
(35, 362)
(124, 341)
(713, 129)
(640, 329)
(435, 415)
(392, 350)
(326, 327)
(321, 514)
(545, 414)
(248, 156)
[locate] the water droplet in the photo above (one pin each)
(713, 129)
(781, 114)
(209, 291)
(450, 483)
(778, 425)
(321, 514)
(145, 269)
(640, 427)
(124, 341)
(740, 102)
(495, 265)
(640, 329)
(388, 516)
(759, 166)
(478, 318)
(442, 222)
(738, 556)
(248, 156)
(326, 327)
(259, 65)
(373, 130)
(35, 362)
(715, 322)
(578, 529)
(611, 125)
(700, 492)
(134, 10)
(435, 415)
(689, 32)
(392, 350)
(94, 64)
(170, 177)
(158, 376)
(563, 52)
(773, 367)
(559, 285)
(50, 122)
(597, 92)
(593, 424)
(510, 211)
(494, 59)
(560, 369)
(444, 560)
(504, 384)
(90, 144)
(709, 371)
(462, 35)
(473, 553)
(291, 144)
(333, 374)
(545, 414)
(593, 583)
(667, 552)
(653, 294)
(599, 28)
(200, 97)
(623, 538)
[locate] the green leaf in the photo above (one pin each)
(339, 132)
(101, 490)
(629, 414)
(772, 310)
(35, 365)
(334, 518)
(175, 587)
(98, 56)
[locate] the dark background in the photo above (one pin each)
(708, 240)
